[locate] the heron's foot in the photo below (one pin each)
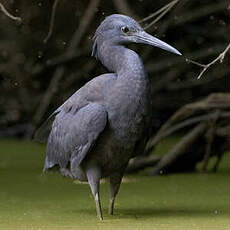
(111, 206)
(66, 173)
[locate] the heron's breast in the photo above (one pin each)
(128, 118)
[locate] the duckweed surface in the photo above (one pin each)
(32, 200)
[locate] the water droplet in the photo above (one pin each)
(211, 17)
(40, 54)
(40, 4)
(63, 43)
(175, 18)
(222, 22)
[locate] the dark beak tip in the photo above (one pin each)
(179, 53)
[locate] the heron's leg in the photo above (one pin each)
(94, 175)
(115, 181)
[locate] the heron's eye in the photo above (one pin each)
(125, 29)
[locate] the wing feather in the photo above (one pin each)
(73, 135)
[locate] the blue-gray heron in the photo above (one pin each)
(105, 123)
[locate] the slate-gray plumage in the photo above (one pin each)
(105, 123)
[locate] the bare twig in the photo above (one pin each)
(164, 63)
(3, 9)
(220, 58)
(138, 163)
(58, 74)
(155, 13)
(85, 22)
(179, 148)
(209, 138)
(56, 61)
(161, 12)
(52, 88)
(51, 21)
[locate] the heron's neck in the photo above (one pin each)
(124, 62)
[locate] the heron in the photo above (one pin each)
(105, 123)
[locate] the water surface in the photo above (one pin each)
(32, 200)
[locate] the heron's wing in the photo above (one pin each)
(76, 101)
(42, 133)
(73, 134)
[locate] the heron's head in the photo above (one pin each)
(119, 29)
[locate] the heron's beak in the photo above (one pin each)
(145, 38)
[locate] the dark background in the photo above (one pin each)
(37, 77)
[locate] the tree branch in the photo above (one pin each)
(164, 63)
(161, 12)
(58, 74)
(179, 148)
(85, 22)
(220, 58)
(3, 9)
(52, 88)
(166, 131)
(138, 163)
(209, 139)
(51, 21)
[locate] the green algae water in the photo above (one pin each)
(32, 200)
